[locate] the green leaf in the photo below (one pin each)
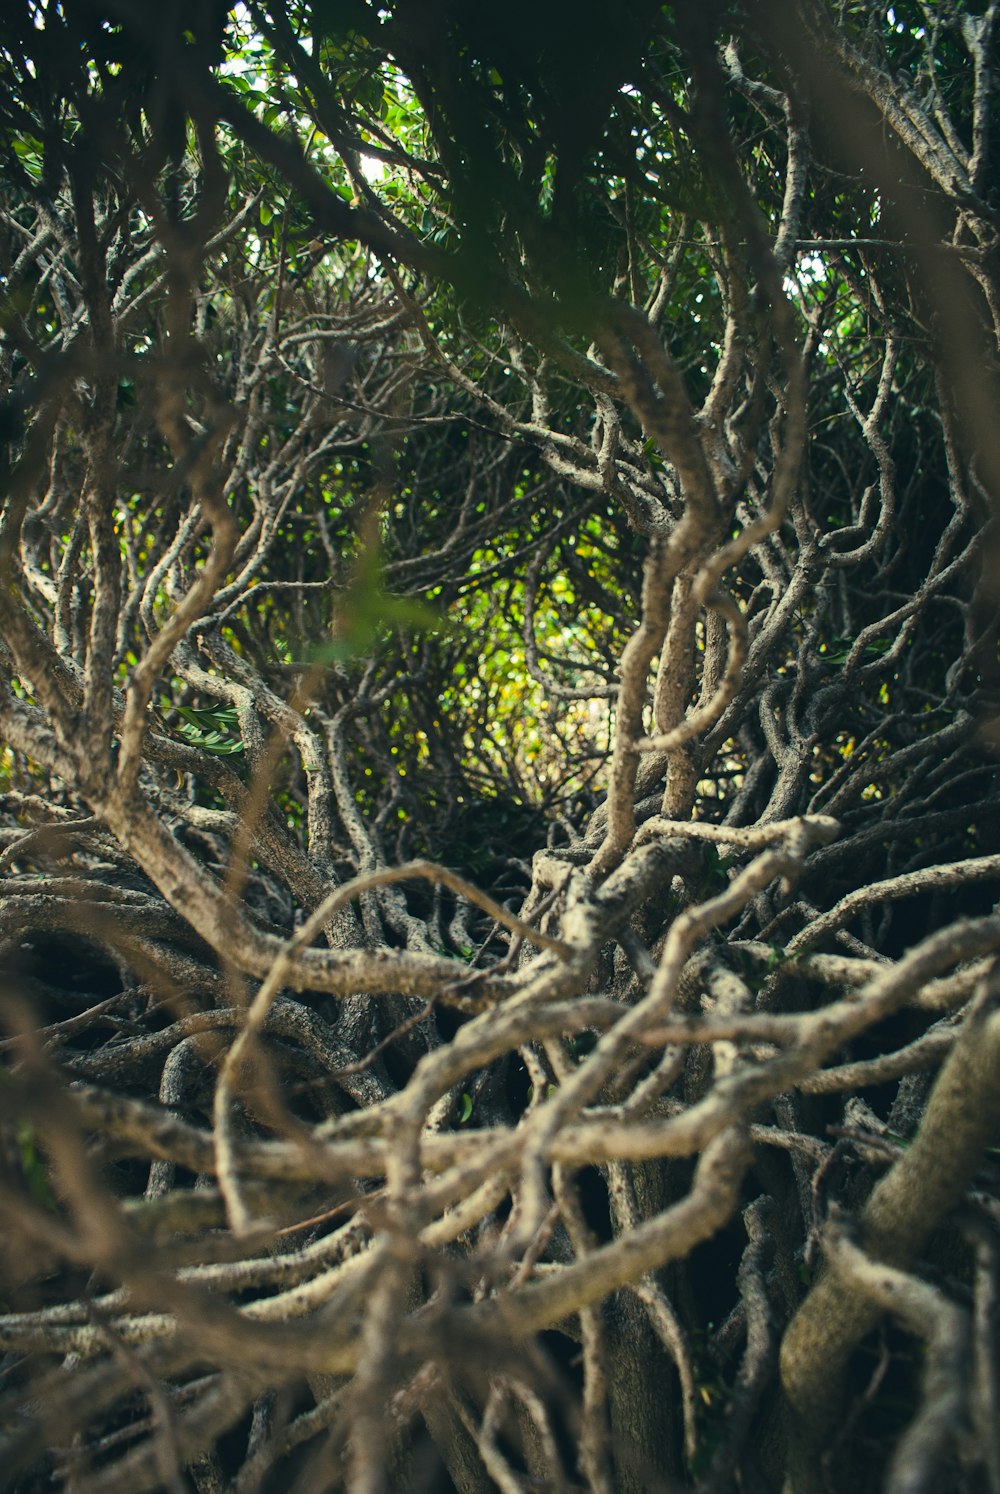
(464, 1108)
(217, 716)
(33, 1167)
(651, 452)
(843, 652)
(210, 728)
(369, 612)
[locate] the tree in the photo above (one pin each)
(499, 685)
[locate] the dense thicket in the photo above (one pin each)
(499, 690)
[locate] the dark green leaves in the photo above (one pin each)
(211, 729)
(842, 652)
